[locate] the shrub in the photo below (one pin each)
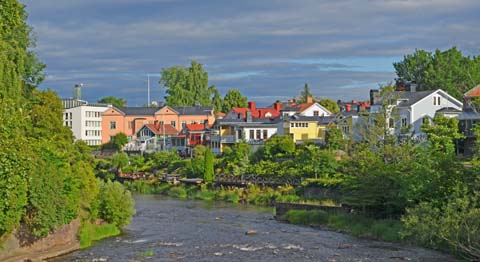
(91, 232)
(116, 203)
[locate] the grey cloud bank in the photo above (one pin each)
(267, 49)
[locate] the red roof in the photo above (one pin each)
(158, 129)
(257, 113)
(195, 127)
(474, 92)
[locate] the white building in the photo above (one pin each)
(84, 119)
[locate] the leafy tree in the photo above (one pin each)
(208, 172)
(449, 70)
(116, 203)
(330, 105)
(334, 139)
(115, 101)
(314, 161)
(186, 86)
(233, 98)
(217, 101)
(442, 133)
(116, 142)
(305, 94)
(119, 161)
(279, 147)
(235, 159)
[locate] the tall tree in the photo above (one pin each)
(217, 101)
(449, 70)
(305, 94)
(186, 86)
(208, 172)
(115, 101)
(233, 98)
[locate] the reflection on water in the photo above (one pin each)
(175, 230)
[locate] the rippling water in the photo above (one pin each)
(174, 230)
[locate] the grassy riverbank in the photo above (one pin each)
(89, 233)
(356, 225)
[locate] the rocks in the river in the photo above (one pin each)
(251, 232)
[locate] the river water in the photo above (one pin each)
(166, 229)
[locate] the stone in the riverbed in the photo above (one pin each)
(251, 232)
(218, 254)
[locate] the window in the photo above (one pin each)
(316, 113)
(306, 125)
(161, 123)
(438, 100)
(292, 124)
(390, 123)
(346, 129)
(86, 132)
(113, 125)
(265, 134)
(172, 123)
(192, 122)
(296, 124)
(184, 124)
(404, 122)
(259, 134)
(70, 115)
(130, 124)
(252, 134)
(66, 123)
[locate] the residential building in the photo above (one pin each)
(414, 108)
(255, 112)
(469, 117)
(154, 137)
(310, 108)
(190, 137)
(253, 131)
(129, 120)
(84, 119)
(306, 128)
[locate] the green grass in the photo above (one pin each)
(359, 226)
(178, 192)
(90, 232)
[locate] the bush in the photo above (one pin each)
(178, 192)
(302, 217)
(116, 203)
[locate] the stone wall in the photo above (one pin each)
(22, 246)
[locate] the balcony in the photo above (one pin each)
(255, 141)
(228, 139)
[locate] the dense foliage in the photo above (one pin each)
(114, 101)
(46, 180)
(448, 70)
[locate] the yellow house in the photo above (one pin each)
(307, 128)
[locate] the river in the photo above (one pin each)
(166, 229)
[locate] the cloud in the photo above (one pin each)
(264, 48)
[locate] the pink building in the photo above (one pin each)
(129, 120)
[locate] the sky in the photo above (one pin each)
(267, 49)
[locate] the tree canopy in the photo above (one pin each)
(233, 98)
(449, 70)
(330, 105)
(187, 86)
(115, 101)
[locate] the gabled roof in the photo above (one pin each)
(411, 98)
(474, 92)
(159, 129)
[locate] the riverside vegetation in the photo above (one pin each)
(46, 180)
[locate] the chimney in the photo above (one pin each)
(277, 106)
(309, 99)
(252, 106)
(413, 87)
(374, 95)
(348, 107)
(249, 116)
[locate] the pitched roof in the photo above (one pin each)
(195, 127)
(411, 98)
(193, 110)
(474, 92)
(139, 111)
(158, 129)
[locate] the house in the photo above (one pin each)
(84, 119)
(253, 131)
(306, 128)
(155, 137)
(310, 108)
(191, 136)
(129, 120)
(414, 108)
(255, 112)
(469, 117)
